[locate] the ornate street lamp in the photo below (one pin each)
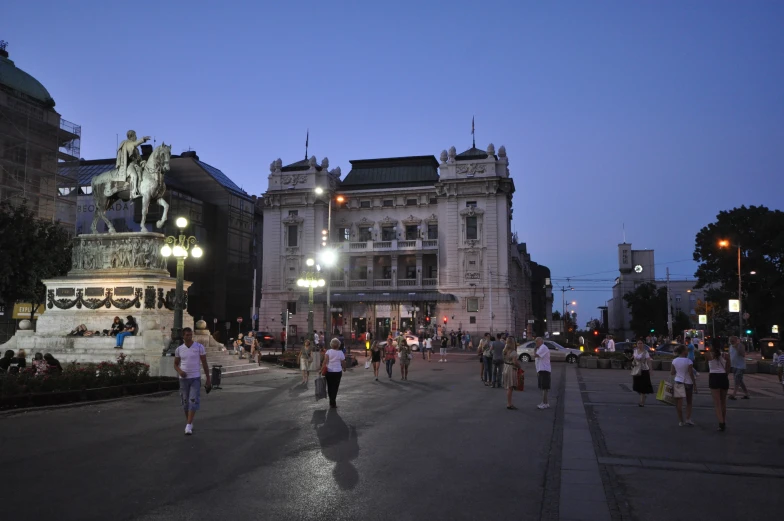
(178, 247)
(311, 279)
(724, 243)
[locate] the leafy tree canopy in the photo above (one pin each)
(30, 250)
(759, 232)
(648, 307)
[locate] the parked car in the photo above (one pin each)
(621, 347)
(265, 338)
(558, 353)
(411, 341)
(668, 348)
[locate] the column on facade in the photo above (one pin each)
(370, 274)
(394, 270)
(419, 269)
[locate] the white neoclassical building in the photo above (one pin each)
(420, 243)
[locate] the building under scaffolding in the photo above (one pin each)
(34, 139)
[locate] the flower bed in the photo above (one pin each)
(80, 382)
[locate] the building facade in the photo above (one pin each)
(421, 244)
(223, 218)
(637, 267)
(34, 140)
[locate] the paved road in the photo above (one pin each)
(439, 446)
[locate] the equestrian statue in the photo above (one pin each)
(132, 178)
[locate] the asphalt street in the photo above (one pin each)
(437, 446)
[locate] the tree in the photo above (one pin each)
(648, 307)
(31, 250)
(556, 315)
(760, 234)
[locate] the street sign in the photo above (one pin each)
(774, 329)
(703, 319)
(228, 325)
(239, 319)
(734, 305)
(255, 317)
(530, 321)
(214, 320)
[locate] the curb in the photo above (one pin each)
(13, 412)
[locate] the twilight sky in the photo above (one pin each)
(652, 115)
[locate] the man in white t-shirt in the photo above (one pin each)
(543, 370)
(610, 348)
(187, 359)
(316, 338)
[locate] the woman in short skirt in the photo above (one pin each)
(642, 382)
(718, 381)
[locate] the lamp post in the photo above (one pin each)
(311, 279)
(414, 311)
(326, 241)
(178, 247)
(724, 243)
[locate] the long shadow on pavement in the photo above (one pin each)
(338, 444)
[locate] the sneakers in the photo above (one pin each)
(689, 423)
(189, 429)
(681, 424)
(543, 406)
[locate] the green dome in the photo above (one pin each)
(13, 77)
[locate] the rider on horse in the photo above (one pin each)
(129, 161)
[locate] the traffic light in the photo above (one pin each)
(282, 317)
(652, 330)
(445, 320)
(748, 332)
(427, 319)
(595, 332)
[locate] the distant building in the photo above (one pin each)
(223, 218)
(422, 244)
(638, 267)
(34, 139)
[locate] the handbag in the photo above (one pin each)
(367, 364)
(321, 388)
(520, 380)
(664, 394)
(636, 369)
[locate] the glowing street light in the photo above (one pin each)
(724, 243)
(311, 280)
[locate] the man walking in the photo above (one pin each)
(738, 363)
(610, 346)
(186, 363)
(498, 360)
(543, 371)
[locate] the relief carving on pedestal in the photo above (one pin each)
(117, 253)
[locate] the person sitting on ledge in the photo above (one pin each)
(5, 362)
(53, 364)
(117, 326)
(129, 329)
(40, 365)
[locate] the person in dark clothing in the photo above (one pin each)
(5, 362)
(53, 363)
(117, 326)
(129, 329)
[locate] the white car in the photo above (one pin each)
(558, 353)
(411, 341)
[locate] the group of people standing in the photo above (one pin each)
(684, 377)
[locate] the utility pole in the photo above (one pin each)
(669, 307)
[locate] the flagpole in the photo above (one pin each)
(473, 136)
(307, 138)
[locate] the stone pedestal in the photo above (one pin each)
(112, 275)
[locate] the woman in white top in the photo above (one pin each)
(335, 363)
(641, 381)
(683, 385)
(428, 347)
(718, 381)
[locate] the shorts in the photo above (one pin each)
(738, 374)
(543, 380)
(190, 391)
(718, 381)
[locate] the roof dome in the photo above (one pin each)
(15, 78)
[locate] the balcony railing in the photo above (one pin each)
(363, 246)
(338, 283)
(406, 282)
(429, 282)
(361, 283)
(382, 283)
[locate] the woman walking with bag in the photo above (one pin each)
(304, 361)
(389, 356)
(641, 372)
(683, 386)
(375, 358)
(718, 381)
(334, 365)
(405, 356)
(509, 376)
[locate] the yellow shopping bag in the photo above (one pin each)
(665, 393)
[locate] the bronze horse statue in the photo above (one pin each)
(109, 188)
